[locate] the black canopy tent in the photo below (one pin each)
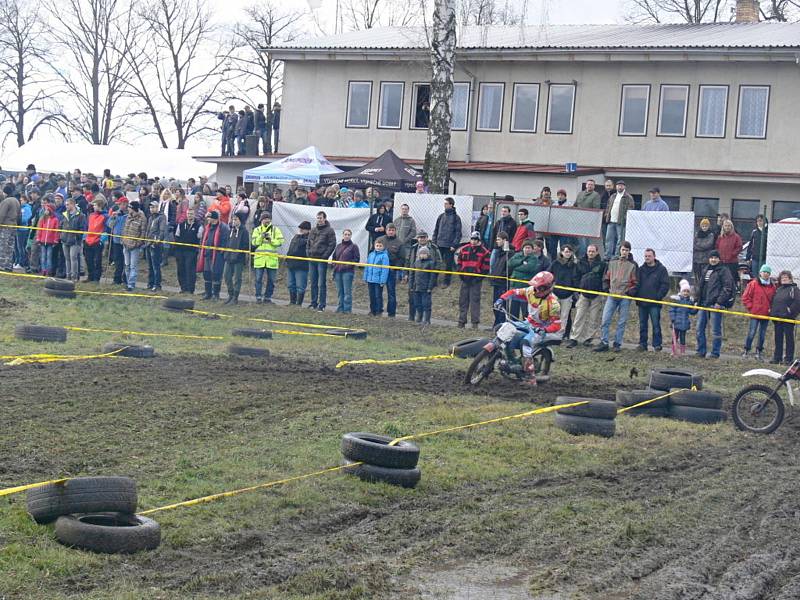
(388, 172)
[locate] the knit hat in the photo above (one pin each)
(213, 214)
(684, 285)
(527, 242)
(713, 254)
(266, 215)
(765, 269)
(705, 221)
(305, 225)
(423, 251)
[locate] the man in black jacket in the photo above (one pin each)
(187, 232)
(716, 291)
(239, 243)
(505, 223)
(653, 285)
(757, 248)
(566, 273)
(447, 237)
(586, 324)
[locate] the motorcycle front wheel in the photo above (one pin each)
(481, 367)
(541, 362)
(757, 408)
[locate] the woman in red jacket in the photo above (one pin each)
(93, 243)
(47, 237)
(729, 245)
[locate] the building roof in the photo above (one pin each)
(569, 37)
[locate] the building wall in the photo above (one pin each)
(315, 101)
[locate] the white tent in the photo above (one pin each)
(60, 157)
(304, 167)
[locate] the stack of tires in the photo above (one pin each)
(369, 457)
(96, 514)
(40, 333)
(697, 406)
(59, 288)
(596, 417)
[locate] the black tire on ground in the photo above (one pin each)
(647, 412)
(178, 303)
(82, 495)
(667, 379)
(60, 293)
(129, 350)
(697, 399)
(108, 532)
(586, 425)
(468, 348)
(375, 450)
(407, 478)
(262, 334)
(627, 398)
(596, 409)
(53, 283)
(40, 333)
(705, 416)
(247, 350)
(353, 334)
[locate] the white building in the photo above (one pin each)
(706, 112)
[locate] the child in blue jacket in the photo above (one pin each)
(681, 317)
(376, 277)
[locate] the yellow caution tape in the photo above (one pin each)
(393, 361)
(48, 358)
(145, 333)
(646, 402)
(34, 276)
(30, 486)
(287, 332)
(258, 320)
(126, 294)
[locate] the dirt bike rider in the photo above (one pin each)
(543, 320)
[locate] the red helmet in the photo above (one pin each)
(542, 284)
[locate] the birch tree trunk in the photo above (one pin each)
(443, 54)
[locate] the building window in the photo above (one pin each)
(525, 107)
(420, 106)
(460, 107)
(707, 208)
(743, 215)
(633, 110)
(751, 121)
(672, 110)
(637, 201)
(674, 202)
(785, 210)
(390, 109)
(560, 108)
(359, 99)
(490, 106)
(712, 111)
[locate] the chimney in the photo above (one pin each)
(747, 11)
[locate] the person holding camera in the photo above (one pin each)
(266, 239)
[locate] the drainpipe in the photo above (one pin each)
(470, 126)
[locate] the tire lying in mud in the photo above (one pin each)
(60, 293)
(82, 495)
(703, 416)
(238, 350)
(262, 334)
(375, 450)
(667, 379)
(129, 350)
(108, 532)
(178, 304)
(657, 408)
(40, 333)
(595, 409)
(54, 283)
(407, 478)
(586, 425)
(353, 334)
(468, 348)
(697, 399)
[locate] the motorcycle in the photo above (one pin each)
(759, 408)
(504, 352)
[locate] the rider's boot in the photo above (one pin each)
(530, 370)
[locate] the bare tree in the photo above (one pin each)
(780, 10)
(366, 14)
(488, 12)
(27, 94)
(178, 66)
(688, 11)
(443, 57)
(259, 77)
(94, 75)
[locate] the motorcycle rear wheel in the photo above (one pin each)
(481, 367)
(758, 409)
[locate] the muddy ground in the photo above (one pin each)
(714, 516)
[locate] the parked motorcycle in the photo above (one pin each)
(504, 353)
(759, 408)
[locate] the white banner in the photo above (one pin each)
(426, 208)
(288, 216)
(559, 220)
(670, 234)
(783, 248)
